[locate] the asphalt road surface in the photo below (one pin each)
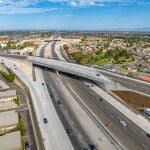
(131, 136)
(128, 84)
(65, 114)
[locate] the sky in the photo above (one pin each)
(74, 14)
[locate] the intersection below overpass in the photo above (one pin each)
(71, 68)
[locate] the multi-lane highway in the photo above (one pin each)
(22, 76)
(132, 137)
(78, 137)
(79, 134)
(54, 134)
(129, 137)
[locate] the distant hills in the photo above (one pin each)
(144, 29)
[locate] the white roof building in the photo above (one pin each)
(7, 99)
(3, 85)
(8, 105)
(28, 49)
(8, 120)
(8, 93)
(3, 45)
(24, 51)
(11, 141)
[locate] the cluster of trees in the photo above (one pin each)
(77, 56)
(84, 39)
(82, 58)
(132, 40)
(25, 44)
(16, 100)
(30, 53)
(130, 74)
(146, 46)
(10, 77)
(65, 47)
(20, 127)
(10, 45)
(115, 56)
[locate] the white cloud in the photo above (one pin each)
(22, 6)
(68, 15)
(81, 3)
(73, 3)
(17, 10)
(85, 3)
(31, 6)
(58, 16)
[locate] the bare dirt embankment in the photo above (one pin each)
(135, 100)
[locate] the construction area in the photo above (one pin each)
(135, 100)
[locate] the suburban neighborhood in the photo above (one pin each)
(123, 53)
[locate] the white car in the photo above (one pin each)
(122, 123)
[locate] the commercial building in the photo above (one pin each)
(3, 45)
(3, 85)
(11, 141)
(7, 93)
(8, 121)
(145, 78)
(7, 99)
(8, 105)
(24, 51)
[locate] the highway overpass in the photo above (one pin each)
(52, 40)
(70, 68)
(90, 71)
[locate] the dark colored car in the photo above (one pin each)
(100, 99)
(92, 147)
(26, 145)
(98, 74)
(45, 120)
(42, 83)
(148, 135)
(59, 102)
(69, 131)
